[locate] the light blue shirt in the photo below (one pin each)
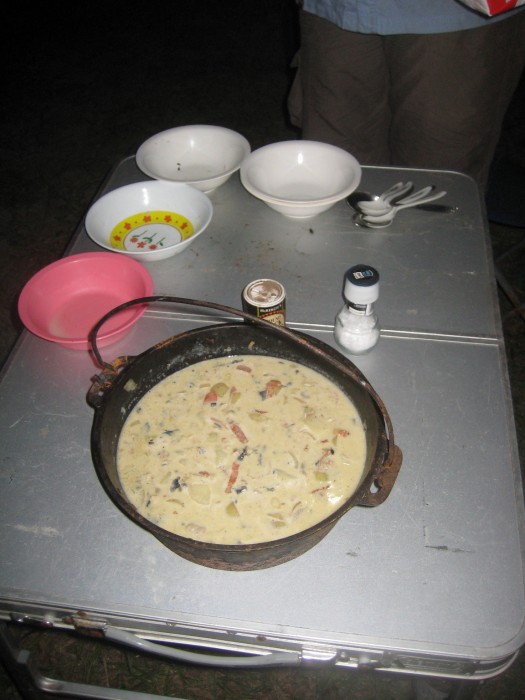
(401, 16)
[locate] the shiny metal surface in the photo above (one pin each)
(435, 573)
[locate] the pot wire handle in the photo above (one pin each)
(347, 367)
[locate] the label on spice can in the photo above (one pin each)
(265, 298)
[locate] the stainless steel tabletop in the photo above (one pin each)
(436, 270)
(432, 579)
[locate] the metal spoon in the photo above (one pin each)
(384, 200)
(358, 196)
(386, 219)
(435, 208)
(378, 207)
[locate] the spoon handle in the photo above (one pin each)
(416, 196)
(421, 200)
(396, 191)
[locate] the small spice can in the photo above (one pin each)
(265, 298)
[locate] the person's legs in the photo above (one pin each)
(449, 95)
(340, 93)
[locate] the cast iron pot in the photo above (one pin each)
(124, 382)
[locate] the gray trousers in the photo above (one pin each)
(423, 101)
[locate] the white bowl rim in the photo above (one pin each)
(242, 140)
(300, 202)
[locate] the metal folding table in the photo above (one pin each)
(429, 583)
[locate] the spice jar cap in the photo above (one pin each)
(361, 285)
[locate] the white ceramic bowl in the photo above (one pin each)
(300, 179)
(199, 155)
(149, 220)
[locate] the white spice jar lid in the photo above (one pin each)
(361, 285)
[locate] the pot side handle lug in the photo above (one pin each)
(385, 480)
(101, 383)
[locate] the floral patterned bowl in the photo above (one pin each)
(150, 220)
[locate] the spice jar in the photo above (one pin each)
(356, 325)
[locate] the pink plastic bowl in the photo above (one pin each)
(63, 301)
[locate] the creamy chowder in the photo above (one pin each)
(239, 450)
